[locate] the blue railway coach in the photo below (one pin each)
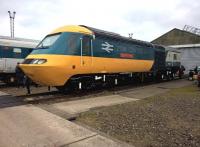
(13, 51)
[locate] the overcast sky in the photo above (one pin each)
(146, 19)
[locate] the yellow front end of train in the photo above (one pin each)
(54, 72)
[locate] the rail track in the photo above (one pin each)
(40, 95)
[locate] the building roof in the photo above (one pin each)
(177, 37)
(172, 49)
(186, 46)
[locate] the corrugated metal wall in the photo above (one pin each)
(190, 58)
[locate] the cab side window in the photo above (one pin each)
(86, 46)
(73, 44)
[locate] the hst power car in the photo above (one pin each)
(82, 54)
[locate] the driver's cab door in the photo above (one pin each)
(86, 54)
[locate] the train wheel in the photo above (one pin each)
(67, 88)
(173, 76)
(63, 89)
(198, 84)
(89, 84)
(158, 77)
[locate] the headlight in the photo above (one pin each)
(38, 61)
(41, 61)
(34, 61)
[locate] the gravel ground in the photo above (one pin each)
(169, 119)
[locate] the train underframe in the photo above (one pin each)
(8, 78)
(89, 81)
